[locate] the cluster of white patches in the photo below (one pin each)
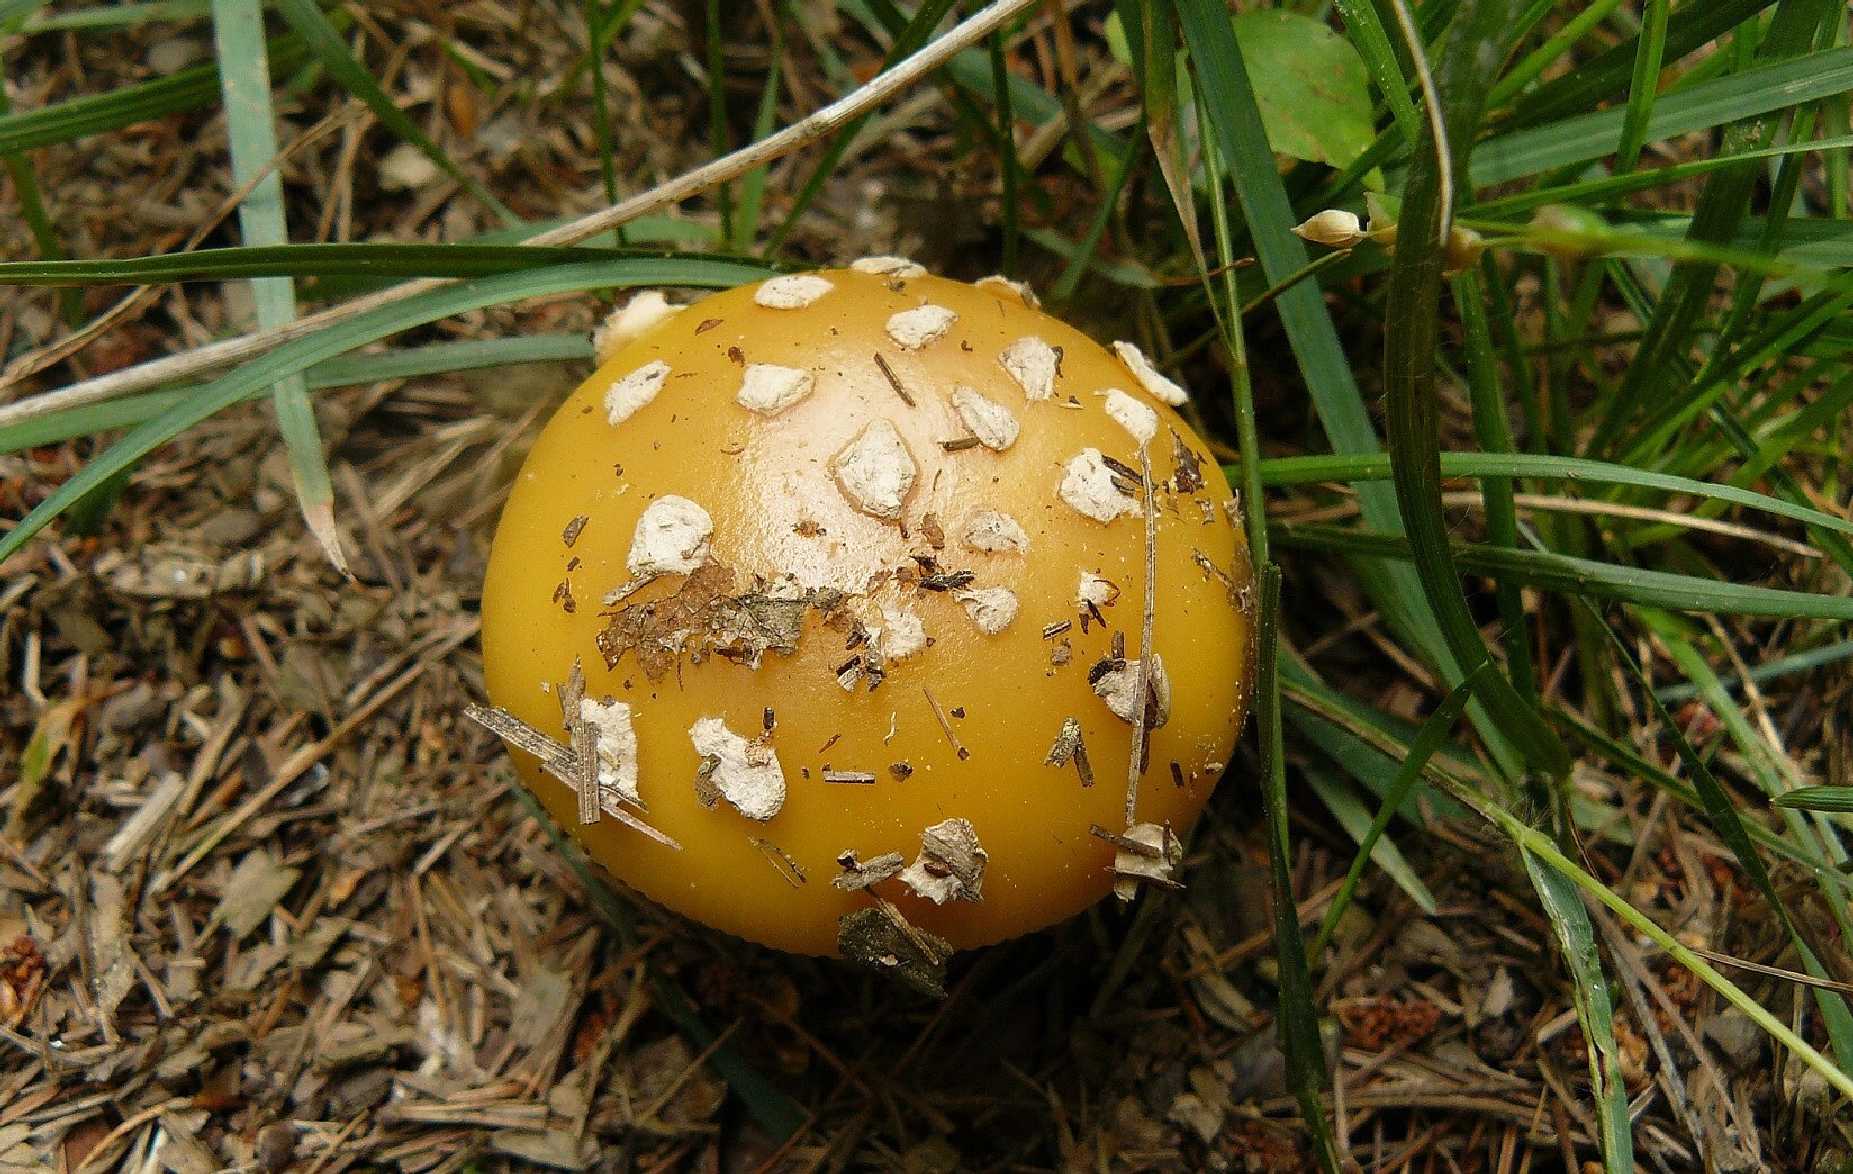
(628, 395)
(1118, 686)
(991, 608)
(793, 291)
(915, 328)
(671, 538)
(1137, 418)
(950, 865)
(1149, 378)
(989, 421)
(1032, 363)
(994, 532)
(769, 389)
(629, 321)
(747, 774)
(1096, 590)
(617, 746)
(1088, 486)
(1019, 288)
(888, 267)
(875, 471)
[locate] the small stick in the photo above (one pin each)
(946, 726)
(1135, 765)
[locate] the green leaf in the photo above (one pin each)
(1817, 799)
(1576, 937)
(1311, 85)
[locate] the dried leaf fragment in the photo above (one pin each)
(1069, 747)
(950, 865)
(861, 874)
(880, 938)
(1147, 853)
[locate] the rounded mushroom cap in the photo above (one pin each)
(846, 556)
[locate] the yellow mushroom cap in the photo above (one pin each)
(891, 513)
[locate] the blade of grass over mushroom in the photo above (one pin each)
(1576, 939)
(1414, 303)
(344, 371)
(358, 331)
(1724, 818)
(1233, 118)
(306, 19)
(1299, 1019)
(1570, 575)
(238, 35)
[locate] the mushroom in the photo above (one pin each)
(837, 521)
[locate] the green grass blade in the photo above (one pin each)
(1576, 938)
(1428, 739)
(753, 184)
(1574, 576)
(1606, 75)
(1299, 1019)
(1009, 166)
(1535, 843)
(1782, 666)
(1723, 816)
(1283, 471)
(1373, 44)
(1837, 799)
(188, 89)
(1411, 405)
(306, 19)
(1374, 846)
(1234, 120)
(1750, 94)
(345, 371)
(238, 35)
(1527, 69)
(109, 16)
(358, 331)
(32, 211)
(1645, 86)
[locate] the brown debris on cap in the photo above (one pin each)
(556, 760)
(1069, 747)
(950, 865)
(861, 874)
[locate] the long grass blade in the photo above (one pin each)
(355, 332)
(1299, 1019)
(1411, 413)
(238, 34)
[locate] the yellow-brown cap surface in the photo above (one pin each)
(895, 530)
